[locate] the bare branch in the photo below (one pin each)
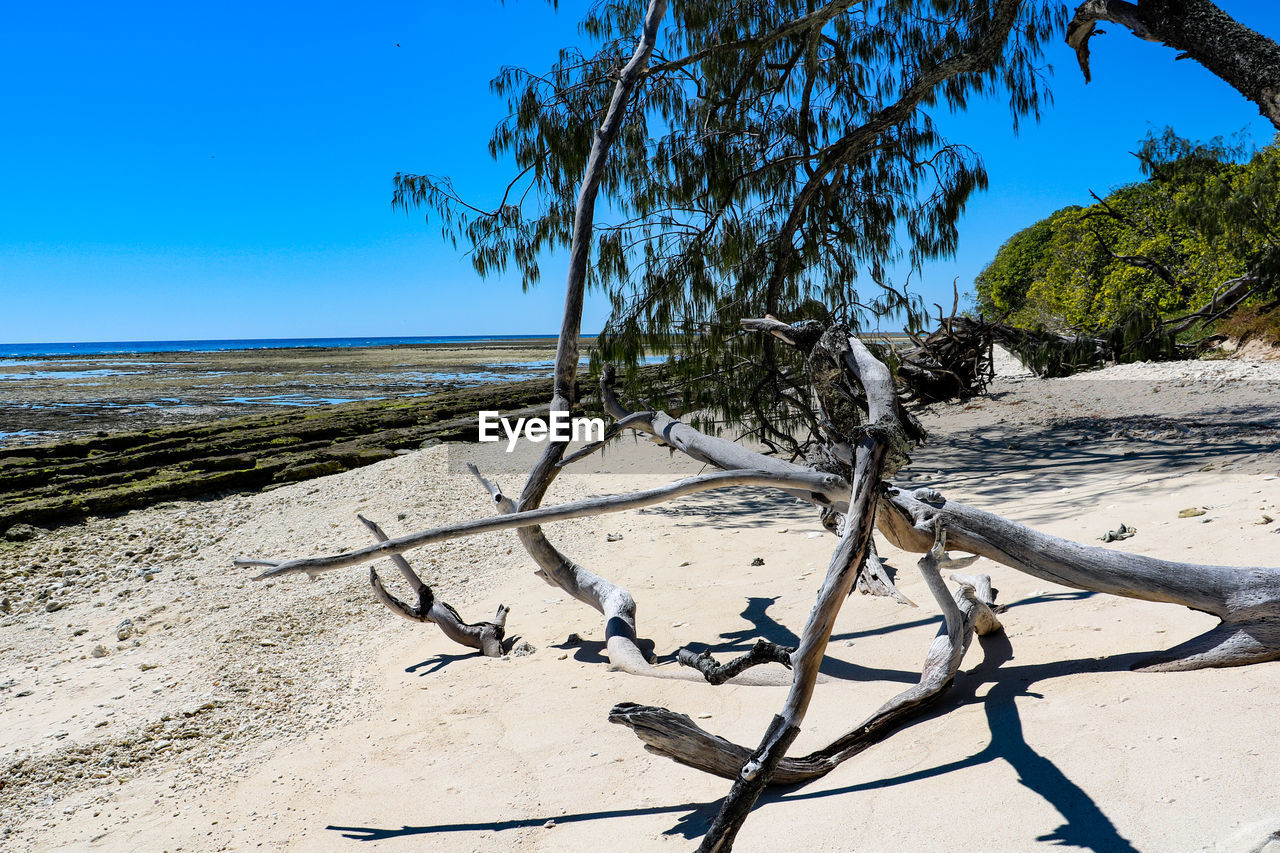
(819, 484)
(1083, 24)
(718, 673)
(970, 610)
(485, 636)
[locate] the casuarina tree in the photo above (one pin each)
(718, 166)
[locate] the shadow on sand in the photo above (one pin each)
(1084, 824)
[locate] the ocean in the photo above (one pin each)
(91, 348)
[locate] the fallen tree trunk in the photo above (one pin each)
(1245, 598)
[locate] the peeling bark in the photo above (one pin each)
(875, 579)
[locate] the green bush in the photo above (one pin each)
(1150, 249)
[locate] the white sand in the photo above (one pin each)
(300, 715)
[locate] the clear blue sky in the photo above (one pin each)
(174, 170)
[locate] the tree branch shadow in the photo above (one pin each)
(691, 825)
(1085, 824)
(437, 663)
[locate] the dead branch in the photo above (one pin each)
(1243, 58)
(1245, 598)
(818, 484)
(485, 636)
(970, 610)
(717, 673)
(871, 452)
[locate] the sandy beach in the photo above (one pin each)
(295, 715)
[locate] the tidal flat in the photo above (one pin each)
(44, 399)
(101, 435)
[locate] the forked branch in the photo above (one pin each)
(485, 636)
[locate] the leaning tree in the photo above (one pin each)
(765, 159)
(1245, 59)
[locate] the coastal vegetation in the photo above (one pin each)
(1165, 246)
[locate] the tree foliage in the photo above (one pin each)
(1164, 245)
(779, 158)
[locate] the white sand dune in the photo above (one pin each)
(302, 716)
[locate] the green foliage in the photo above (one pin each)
(778, 156)
(1147, 250)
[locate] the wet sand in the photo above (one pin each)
(53, 398)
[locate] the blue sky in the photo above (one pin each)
(176, 171)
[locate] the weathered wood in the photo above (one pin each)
(968, 611)
(708, 449)
(562, 512)
(615, 602)
(485, 636)
(718, 673)
(870, 454)
(874, 579)
(1245, 598)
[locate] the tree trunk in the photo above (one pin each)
(1245, 598)
(614, 601)
(1245, 59)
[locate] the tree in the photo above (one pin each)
(775, 156)
(1163, 247)
(788, 144)
(1244, 58)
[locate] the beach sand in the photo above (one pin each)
(301, 715)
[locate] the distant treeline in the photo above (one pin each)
(1206, 213)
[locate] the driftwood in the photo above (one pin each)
(1245, 598)
(485, 636)
(875, 579)
(970, 611)
(717, 673)
(817, 483)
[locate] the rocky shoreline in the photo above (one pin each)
(113, 472)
